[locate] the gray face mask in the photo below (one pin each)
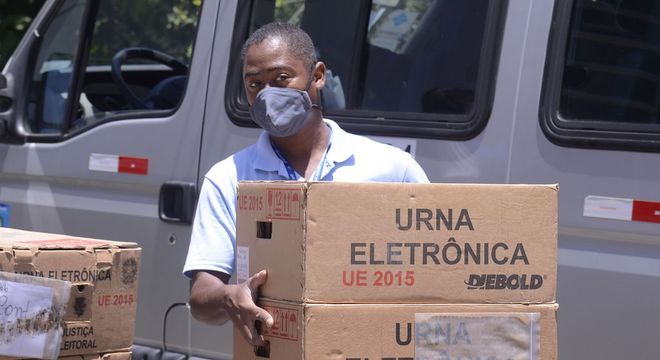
(281, 111)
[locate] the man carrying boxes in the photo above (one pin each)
(282, 79)
(401, 271)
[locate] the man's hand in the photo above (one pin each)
(213, 301)
(244, 313)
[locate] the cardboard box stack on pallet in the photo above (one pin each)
(99, 321)
(401, 271)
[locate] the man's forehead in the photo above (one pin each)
(268, 48)
(270, 55)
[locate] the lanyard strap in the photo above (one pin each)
(287, 165)
(292, 172)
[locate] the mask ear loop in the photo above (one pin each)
(309, 86)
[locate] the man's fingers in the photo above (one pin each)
(247, 328)
(257, 339)
(252, 336)
(257, 280)
(263, 316)
(250, 313)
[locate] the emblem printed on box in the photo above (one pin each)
(283, 204)
(285, 324)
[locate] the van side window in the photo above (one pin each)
(603, 85)
(107, 60)
(51, 80)
(421, 67)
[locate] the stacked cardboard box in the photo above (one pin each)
(401, 271)
(124, 355)
(100, 317)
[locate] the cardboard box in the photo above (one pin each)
(397, 243)
(100, 316)
(405, 331)
(125, 355)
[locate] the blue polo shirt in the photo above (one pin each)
(349, 158)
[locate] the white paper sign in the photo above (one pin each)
(242, 264)
(31, 313)
(24, 314)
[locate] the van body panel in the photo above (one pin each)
(608, 274)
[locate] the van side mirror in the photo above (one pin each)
(3, 129)
(5, 103)
(7, 133)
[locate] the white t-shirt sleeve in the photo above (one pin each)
(213, 236)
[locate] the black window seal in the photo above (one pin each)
(415, 125)
(132, 114)
(82, 56)
(601, 135)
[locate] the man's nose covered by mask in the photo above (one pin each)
(281, 111)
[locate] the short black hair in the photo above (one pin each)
(298, 42)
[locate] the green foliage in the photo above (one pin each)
(165, 25)
(15, 18)
(289, 11)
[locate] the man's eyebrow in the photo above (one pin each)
(270, 69)
(251, 73)
(279, 67)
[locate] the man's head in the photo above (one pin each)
(299, 44)
(281, 55)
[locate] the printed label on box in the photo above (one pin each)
(286, 323)
(477, 336)
(283, 204)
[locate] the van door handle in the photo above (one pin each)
(177, 201)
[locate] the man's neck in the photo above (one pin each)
(305, 149)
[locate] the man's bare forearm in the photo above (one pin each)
(207, 297)
(213, 301)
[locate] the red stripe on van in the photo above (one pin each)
(133, 165)
(646, 211)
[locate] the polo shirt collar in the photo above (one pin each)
(265, 157)
(341, 149)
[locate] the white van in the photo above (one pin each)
(111, 112)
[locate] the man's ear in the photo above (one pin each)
(319, 75)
